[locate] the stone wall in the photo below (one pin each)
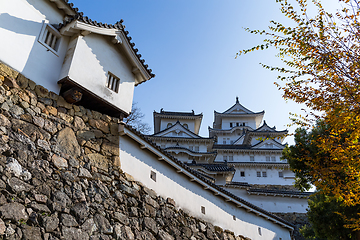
(61, 176)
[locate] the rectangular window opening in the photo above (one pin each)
(258, 174)
(196, 148)
(264, 174)
(234, 218)
(281, 174)
(273, 159)
(252, 158)
(153, 175)
(225, 158)
(113, 82)
(202, 209)
(50, 38)
(242, 174)
(231, 158)
(268, 159)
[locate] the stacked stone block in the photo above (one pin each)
(60, 175)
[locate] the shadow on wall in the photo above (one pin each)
(24, 53)
(181, 181)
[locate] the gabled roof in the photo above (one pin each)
(84, 25)
(238, 141)
(236, 111)
(176, 127)
(75, 22)
(194, 176)
(177, 115)
(266, 128)
(262, 143)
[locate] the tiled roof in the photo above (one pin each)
(213, 167)
(188, 114)
(280, 192)
(185, 130)
(184, 148)
(242, 184)
(202, 178)
(231, 146)
(118, 25)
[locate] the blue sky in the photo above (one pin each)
(191, 47)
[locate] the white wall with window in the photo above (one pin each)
(243, 121)
(23, 45)
(270, 203)
(91, 61)
(263, 175)
(193, 197)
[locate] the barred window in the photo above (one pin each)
(50, 38)
(113, 82)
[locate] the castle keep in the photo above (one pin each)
(71, 169)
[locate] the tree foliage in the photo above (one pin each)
(135, 120)
(326, 217)
(330, 218)
(321, 56)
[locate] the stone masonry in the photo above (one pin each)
(60, 175)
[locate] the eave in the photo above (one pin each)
(118, 38)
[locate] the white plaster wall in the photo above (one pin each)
(273, 203)
(190, 196)
(271, 179)
(225, 122)
(245, 157)
(165, 122)
(21, 22)
(94, 56)
(230, 138)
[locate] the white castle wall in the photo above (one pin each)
(190, 196)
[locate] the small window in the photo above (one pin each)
(242, 174)
(231, 142)
(113, 82)
(196, 148)
(234, 218)
(191, 148)
(264, 174)
(224, 140)
(174, 134)
(225, 158)
(186, 126)
(50, 38)
(231, 124)
(259, 230)
(252, 158)
(281, 174)
(237, 124)
(169, 125)
(258, 174)
(153, 175)
(273, 159)
(202, 209)
(231, 158)
(180, 133)
(268, 159)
